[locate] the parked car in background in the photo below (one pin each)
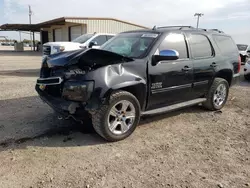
(140, 73)
(6, 44)
(247, 70)
(244, 51)
(26, 45)
(85, 41)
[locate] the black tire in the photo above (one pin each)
(100, 116)
(247, 77)
(210, 104)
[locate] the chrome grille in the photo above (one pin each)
(46, 50)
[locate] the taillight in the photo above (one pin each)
(239, 64)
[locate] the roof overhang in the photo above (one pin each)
(48, 24)
(32, 27)
(20, 27)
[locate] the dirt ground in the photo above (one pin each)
(189, 148)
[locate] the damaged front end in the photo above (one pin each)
(67, 82)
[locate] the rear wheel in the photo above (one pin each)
(217, 94)
(118, 119)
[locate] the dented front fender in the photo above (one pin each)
(107, 70)
(115, 77)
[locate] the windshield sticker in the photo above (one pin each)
(150, 35)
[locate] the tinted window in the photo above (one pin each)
(109, 37)
(175, 42)
(133, 45)
(201, 47)
(225, 44)
(83, 38)
(100, 40)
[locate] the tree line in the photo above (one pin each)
(27, 41)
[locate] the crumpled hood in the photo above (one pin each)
(86, 58)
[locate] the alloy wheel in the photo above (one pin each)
(121, 117)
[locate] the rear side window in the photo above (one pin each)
(225, 44)
(101, 39)
(201, 47)
(176, 42)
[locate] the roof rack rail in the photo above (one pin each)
(216, 30)
(202, 29)
(170, 27)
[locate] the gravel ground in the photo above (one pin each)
(191, 148)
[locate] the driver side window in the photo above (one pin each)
(175, 41)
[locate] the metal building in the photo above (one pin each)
(69, 28)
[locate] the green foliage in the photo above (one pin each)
(29, 41)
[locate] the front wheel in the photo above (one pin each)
(118, 119)
(217, 94)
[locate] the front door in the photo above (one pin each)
(170, 81)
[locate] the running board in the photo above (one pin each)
(174, 107)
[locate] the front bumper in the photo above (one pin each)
(68, 98)
(63, 107)
(235, 79)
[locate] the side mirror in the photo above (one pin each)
(248, 51)
(165, 55)
(92, 43)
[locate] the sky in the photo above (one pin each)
(230, 16)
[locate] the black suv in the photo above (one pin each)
(138, 73)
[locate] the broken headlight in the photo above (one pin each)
(75, 90)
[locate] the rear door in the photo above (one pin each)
(171, 81)
(204, 63)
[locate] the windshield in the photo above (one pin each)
(83, 38)
(133, 45)
(242, 47)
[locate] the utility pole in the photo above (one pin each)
(30, 13)
(20, 36)
(198, 18)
